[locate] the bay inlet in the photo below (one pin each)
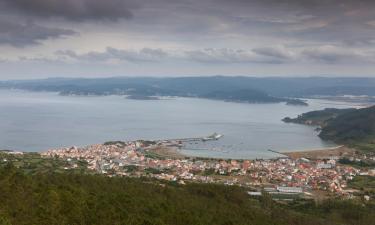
(38, 121)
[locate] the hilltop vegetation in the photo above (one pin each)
(357, 125)
(356, 129)
(319, 117)
(33, 163)
(353, 127)
(68, 198)
(364, 183)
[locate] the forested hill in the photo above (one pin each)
(353, 126)
(319, 117)
(65, 198)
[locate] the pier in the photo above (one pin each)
(212, 137)
(280, 153)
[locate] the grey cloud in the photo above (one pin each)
(305, 20)
(332, 55)
(326, 21)
(143, 55)
(209, 55)
(38, 60)
(225, 55)
(360, 42)
(304, 5)
(73, 9)
(222, 32)
(277, 53)
(20, 35)
(266, 55)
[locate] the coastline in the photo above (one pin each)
(172, 152)
(166, 152)
(314, 154)
(324, 153)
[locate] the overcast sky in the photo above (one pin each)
(102, 38)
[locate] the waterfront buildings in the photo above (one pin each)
(139, 159)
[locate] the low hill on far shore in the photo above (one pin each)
(352, 127)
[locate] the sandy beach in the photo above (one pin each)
(167, 152)
(321, 153)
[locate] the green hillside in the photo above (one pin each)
(69, 198)
(319, 117)
(354, 127)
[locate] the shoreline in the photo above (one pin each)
(174, 153)
(314, 154)
(166, 152)
(324, 153)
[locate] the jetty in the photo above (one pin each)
(280, 153)
(212, 137)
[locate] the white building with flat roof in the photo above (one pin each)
(289, 189)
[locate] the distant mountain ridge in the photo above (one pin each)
(275, 86)
(269, 89)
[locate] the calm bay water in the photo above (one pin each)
(32, 121)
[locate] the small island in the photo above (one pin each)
(297, 102)
(142, 97)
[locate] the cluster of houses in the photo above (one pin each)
(284, 174)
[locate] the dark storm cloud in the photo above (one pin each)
(72, 9)
(20, 35)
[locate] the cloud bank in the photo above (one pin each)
(21, 35)
(72, 9)
(205, 36)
